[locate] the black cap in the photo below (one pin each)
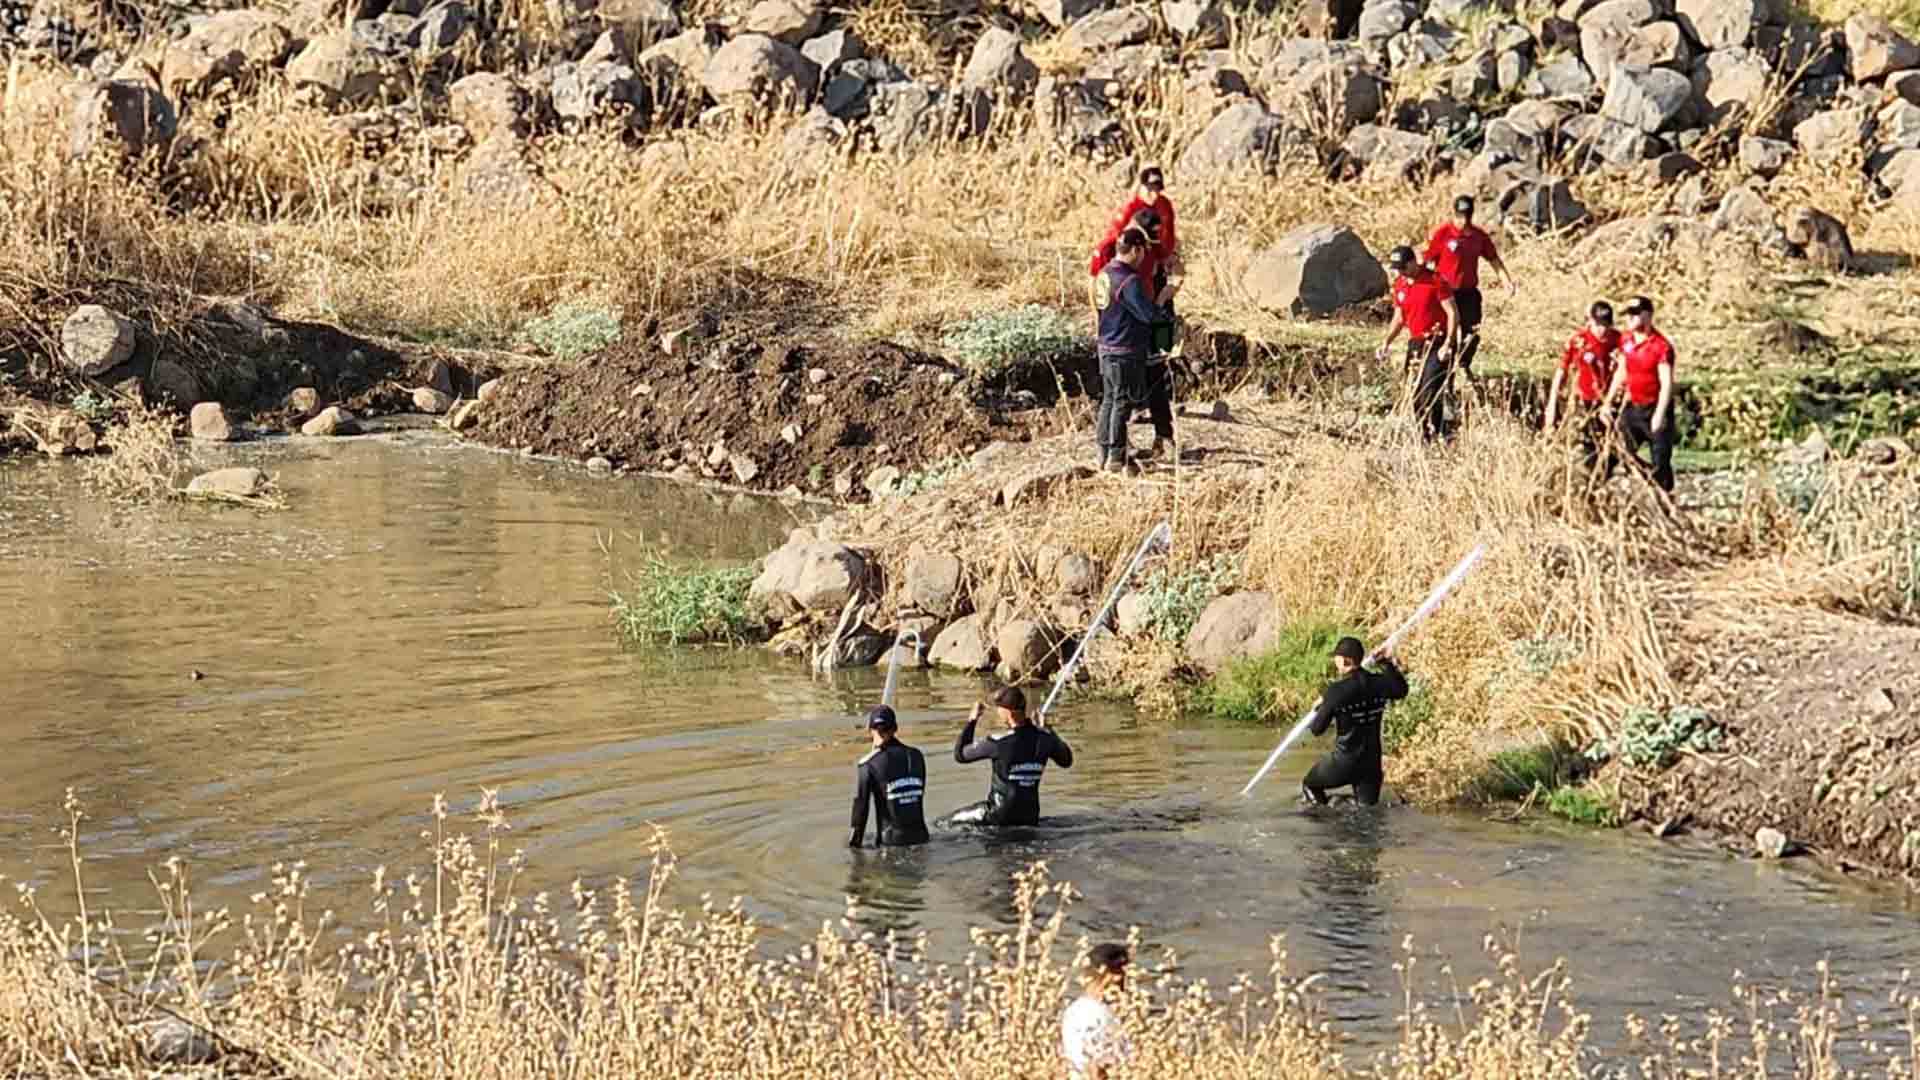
(1463, 204)
(1152, 177)
(1400, 258)
(1350, 648)
(1601, 312)
(881, 718)
(1639, 305)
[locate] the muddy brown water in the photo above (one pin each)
(430, 618)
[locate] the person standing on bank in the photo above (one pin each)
(1423, 305)
(1644, 376)
(1091, 1036)
(1127, 315)
(1353, 706)
(893, 778)
(1019, 754)
(1589, 357)
(1154, 270)
(1454, 252)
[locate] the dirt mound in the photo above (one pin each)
(816, 414)
(1824, 745)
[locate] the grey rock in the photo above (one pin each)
(94, 340)
(585, 93)
(1028, 650)
(1658, 44)
(1108, 30)
(1382, 19)
(1904, 85)
(227, 45)
(332, 420)
(1076, 115)
(1242, 137)
(1478, 77)
(443, 27)
(1315, 270)
(1602, 141)
(1456, 10)
(1512, 69)
(905, 116)
(998, 65)
(1727, 24)
(1875, 49)
(1770, 843)
(790, 22)
(1833, 135)
(1386, 150)
(1132, 615)
(1744, 211)
(1520, 195)
(1062, 13)
(828, 51)
(1076, 575)
(1764, 157)
(1651, 99)
(1566, 77)
(207, 422)
(1730, 83)
(1897, 126)
(1820, 51)
(933, 584)
(347, 68)
(127, 119)
(485, 103)
(1197, 23)
(808, 576)
(760, 70)
(1331, 18)
(963, 645)
(176, 1042)
(848, 94)
(1346, 90)
(431, 401)
(239, 483)
(1233, 627)
(168, 380)
(1426, 42)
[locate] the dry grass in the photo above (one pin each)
(144, 463)
(454, 972)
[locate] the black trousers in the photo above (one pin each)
(1122, 386)
(1364, 775)
(1636, 423)
(1160, 399)
(1429, 394)
(1469, 304)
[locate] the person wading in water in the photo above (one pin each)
(1019, 754)
(1353, 706)
(893, 778)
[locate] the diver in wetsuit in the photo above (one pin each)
(894, 779)
(1353, 705)
(1019, 755)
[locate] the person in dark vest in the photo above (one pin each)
(1019, 754)
(1128, 312)
(1353, 706)
(893, 780)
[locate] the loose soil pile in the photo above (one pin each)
(1824, 745)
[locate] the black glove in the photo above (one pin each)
(855, 842)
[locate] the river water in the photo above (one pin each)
(429, 618)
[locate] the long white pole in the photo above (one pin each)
(1438, 594)
(893, 664)
(1159, 537)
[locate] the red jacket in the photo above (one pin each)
(1419, 297)
(1455, 254)
(1156, 253)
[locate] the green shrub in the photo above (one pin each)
(1280, 684)
(1650, 739)
(1583, 806)
(1174, 601)
(672, 605)
(1512, 775)
(989, 342)
(929, 478)
(1407, 718)
(574, 330)
(91, 406)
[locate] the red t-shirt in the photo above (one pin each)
(1456, 253)
(1643, 360)
(1418, 299)
(1156, 253)
(1592, 358)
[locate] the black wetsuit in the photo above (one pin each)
(1019, 759)
(894, 779)
(1354, 706)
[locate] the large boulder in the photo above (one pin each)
(1600, 141)
(1521, 196)
(330, 421)
(1381, 20)
(848, 94)
(1107, 30)
(1028, 650)
(585, 93)
(1385, 150)
(1658, 44)
(236, 483)
(208, 423)
(1730, 83)
(1243, 137)
(1764, 157)
(790, 22)
(999, 67)
(963, 645)
(758, 69)
(1728, 24)
(486, 102)
(808, 576)
(95, 340)
(1315, 270)
(1900, 176)
(346, 67)
(1346, 90)
(933, 584)
(127, 118)
(228, 45)
(1233, 627)
(1565, 77)
(442, 29)
(1875, 49)
(1834, 135)
(1076, 115)
(906, 116)
(1650, 99)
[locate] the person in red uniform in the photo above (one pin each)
(1454, 251)
(1423, 305)
(1150, 195)
(1644, 377)
(1589, 359)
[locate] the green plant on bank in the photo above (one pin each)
(1407, 718)
(91, 406)
(674, 605)
(929, 478)
(1281, 683)
(816, 475)
(1583, 806)
(1174, 601)
(1512, 775)
(573, 330)
(992, 341)
(1651, 739)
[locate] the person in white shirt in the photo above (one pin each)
(1090, 1035)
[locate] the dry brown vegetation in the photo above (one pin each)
(457, 973)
